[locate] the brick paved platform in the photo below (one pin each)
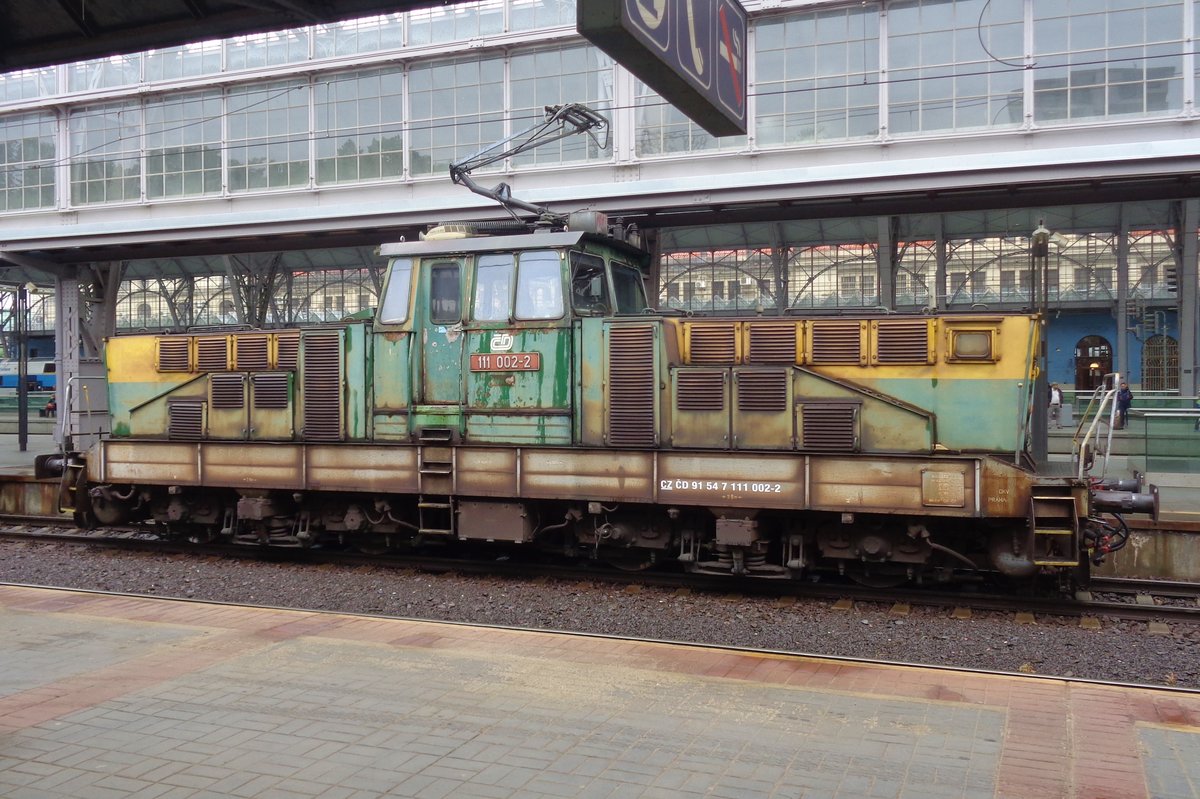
(105, 696)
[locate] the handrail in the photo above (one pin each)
(1181, 413)
(65, 416)
(1102, 398)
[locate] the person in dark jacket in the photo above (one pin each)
(1124, 400)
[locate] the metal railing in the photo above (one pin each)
(1102, 401)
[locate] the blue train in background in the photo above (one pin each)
(40, 374)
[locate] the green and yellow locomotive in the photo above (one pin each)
(516, 389)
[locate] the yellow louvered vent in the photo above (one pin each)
(287, 350)
(174, 354)
(251, 352)
(772, 342)
(712, 343)
(902, 341)
(836, 342)
(212, 354)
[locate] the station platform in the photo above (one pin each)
(105, 696)
(14, 461)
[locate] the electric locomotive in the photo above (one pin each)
(516, 390)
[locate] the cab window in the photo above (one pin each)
(589, 285)
(444, 294)
(539, 286)
(394, 309)
(629, 289)
(493, 288)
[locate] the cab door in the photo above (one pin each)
(442, 333)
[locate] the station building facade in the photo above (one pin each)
(899, 156)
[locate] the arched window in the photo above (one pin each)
(1160, 364)
(1093, 360)
(143, 314)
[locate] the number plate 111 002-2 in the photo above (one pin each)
(506, 362)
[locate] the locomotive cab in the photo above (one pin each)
(477, 337)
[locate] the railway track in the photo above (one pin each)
(1165, 589)
(1150, 601)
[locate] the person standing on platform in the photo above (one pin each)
(1124, 400)
(1056, 401)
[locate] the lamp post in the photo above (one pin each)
(22, 326)
(1039, 254)
(1039, 279)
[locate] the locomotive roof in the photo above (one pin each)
(505, 243)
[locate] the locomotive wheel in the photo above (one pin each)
(83, 502)
(107, 511)
(191, 533)
(877, 580)
(203, 535)
(185, 532)
(629, 562)
(372, 544)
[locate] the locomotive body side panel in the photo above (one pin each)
(762, 403)
(944, 486)
(272, 407)
(394, 368)
(135, 381)
(891, 385)
(359, 364)
(391, 385)
(518, 384)
(592, 388)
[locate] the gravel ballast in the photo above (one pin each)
(1121, 651)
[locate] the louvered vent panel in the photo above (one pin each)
(323, 386)
(173, 354)
(903, 341)
(700, 390)
(250, 352)
(185, 421)
(287, 351)
(212, 354)
(772, 342)
(713, 343)
(762, 391)
(836, 342)
(270, 391)
(228, 391)
(829, 427)
(631, 384)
